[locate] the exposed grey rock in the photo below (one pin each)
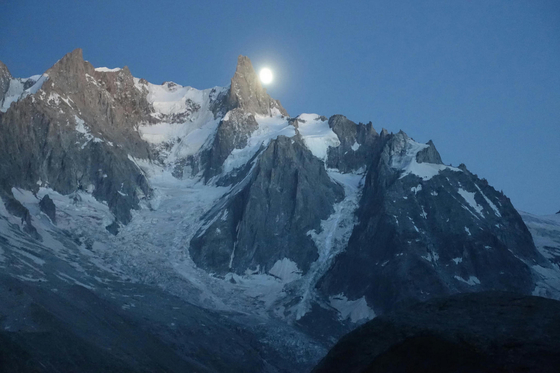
(233, 132)
(48, 207)
(267, 218)
(429, 155)
(245, 98)
(484, 332)
(218, 105)
(28, 83)
(420, 238)
(247, 93)
(294, 122)
(356, 144)
(20, 211)
(108, 102)
(14, 207)
(5, 78)
(77, 133)
(113, 228)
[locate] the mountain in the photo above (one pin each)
(76, 133)
(290, 231)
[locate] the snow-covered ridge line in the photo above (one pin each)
(315, 132)
(107, 70)
(269, 129)
(185, 118)
(317, 135)
(408, 164)
(17, 92)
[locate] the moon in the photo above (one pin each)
(266, 76)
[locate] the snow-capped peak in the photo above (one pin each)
(184, 115)
(107, 70)
(403, 157)
(316, 134)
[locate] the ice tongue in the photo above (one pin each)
(247, 93)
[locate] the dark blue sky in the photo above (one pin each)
(479, 78)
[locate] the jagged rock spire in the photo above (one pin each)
(247, 93)
(70, 73)
(69, 63)
(5, 78)
(429, 154)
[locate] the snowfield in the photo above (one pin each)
(185, 119)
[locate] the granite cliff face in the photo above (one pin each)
(76, 133)
(245, 98)
(266, 218)
(5, 78)
(299, 228)
(357, 145)
(247, 93)
(428, 229)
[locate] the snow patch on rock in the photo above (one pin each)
(472, 280)
(333, 237)
(469, 198)
(493, 206)
(270, 127)
(403, 158)
(416, 189)
(355, 310)
(16, 92)
(317, 135)
(107, 70)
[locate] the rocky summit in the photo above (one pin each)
(200, 219)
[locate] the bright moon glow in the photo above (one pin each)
(266, 76)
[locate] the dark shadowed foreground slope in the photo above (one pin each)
(69, 328)
(483, 332)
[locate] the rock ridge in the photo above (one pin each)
(247, 93)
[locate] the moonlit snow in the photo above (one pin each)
(406, 161)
